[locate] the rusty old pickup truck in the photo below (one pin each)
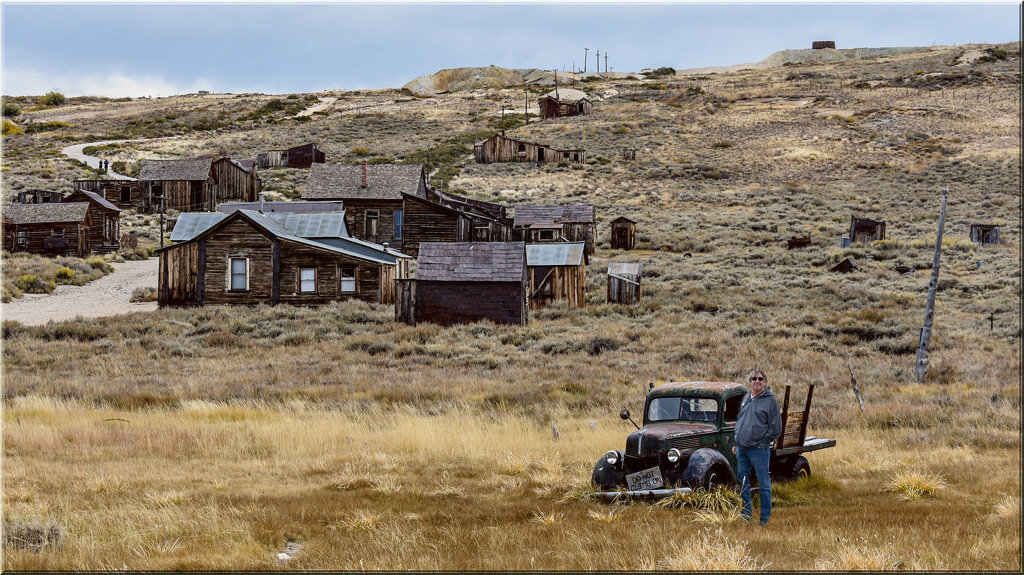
(687, 438)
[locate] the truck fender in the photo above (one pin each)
(608, 477)
(702, 461)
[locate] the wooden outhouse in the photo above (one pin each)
(105, 229)
(500, 149)
(624, 282)
(466, 282)
(237, 181)
(565, 102)
(49, 229)
(250, 258)
(557, 272)
(985, 234)
(865, 230)
(373, 197)
(186, 185)
(623, 233)
(125, 194)
(426, 221)
(568, 223)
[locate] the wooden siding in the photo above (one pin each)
(125, 194)
(552, 108)
(558, 283)
(105, 229)
(499, 149)
(272, 159)
(40, 241)
(985, 234)
(355, 216)
(178, 275)
(304, 156)
(234, 184)
(865, 230)
(427, 221)
(296, 256)
(464, 302)
(186, 196)
(623, 235)
(623, 289)
(569, 232)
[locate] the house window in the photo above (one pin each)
(521, 148)
(22, 240)
(546, 235)
(372, 223)
(348, 280)
(239, 274)
(481, 233)
(307, 280)
(126, 194)
(57, 233)
(399, 216)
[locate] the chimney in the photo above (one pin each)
(386, 248)
(261, 202)
(364, 174)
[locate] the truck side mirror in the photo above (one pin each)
(624, 414)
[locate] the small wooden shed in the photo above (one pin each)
(865, 230)
(500, 148)
(985, 233)
(623, 233)
(187, 185)
(466, 282)
(557, 272)
(624, 282)
(49, 229)
(105, 229)
(562, 102)
(125, 194)
(237, 181)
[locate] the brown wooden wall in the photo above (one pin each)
(497, 150)
(568, 284)
(104, 233)
(178, 275)
(623, 235)
(623, 291)
(76, 234)
(179, 195)
(239, 239)
(355, 215)
(426, 223)
(138, 198)
(551, 108)
(235, 184)
(295, 256)
(464, 302)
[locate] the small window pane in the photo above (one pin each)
(398, 224)
(239, 274)
(307, 280)
(348, 280)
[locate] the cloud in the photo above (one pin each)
(19, 81)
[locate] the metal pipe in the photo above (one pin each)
(650, 493)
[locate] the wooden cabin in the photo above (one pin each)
(623, 233)
(39, 197)
(237, 181)
(624, 282)
(426, 221)
(105, 229)
(865, 230)
(568, 223)
(374, 197)
(466, 282)
(298, 157)
(188, 185)
(50, 229)
(985, 234)
(500, 149)
(557, 272)
(563, 102)
(125, 194)
(251, 258)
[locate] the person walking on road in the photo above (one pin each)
(757, 427)
(106, 166)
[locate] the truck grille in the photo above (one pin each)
(632, 463)
(685, 443)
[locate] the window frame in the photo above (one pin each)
(299, 280)
(342, 279)
(54, 234)
(398, 230)
(232, 274)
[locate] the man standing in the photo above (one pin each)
(757, 428)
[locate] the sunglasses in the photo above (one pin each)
(757, 379)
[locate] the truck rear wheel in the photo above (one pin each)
(797, 468)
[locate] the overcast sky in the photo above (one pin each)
(159, 50)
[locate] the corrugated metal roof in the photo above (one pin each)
(272, 207)
(471, 261)
(344, 181)
(46, 213)
(365, 250)
(191, 224)
(192, 169)
(313, 225)
(568, 214)
(625, 268)
(567, 254)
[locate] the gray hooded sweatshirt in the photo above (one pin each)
(759, 423)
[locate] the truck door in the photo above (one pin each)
(729, 414)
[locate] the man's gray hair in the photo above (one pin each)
(761, 371)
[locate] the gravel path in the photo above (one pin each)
(77, 153)
(322, 104)
(106, 296)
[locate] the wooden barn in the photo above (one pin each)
(624, 282)
(557, 272)
(186, 185)
(49, 229)
(568, 223)
(426, 221)
(374, 197)
(985, 234)
(500, 149)
(563, 102)
(466, 282)
(623, 233)
(237, 181)
(125, 194)
(298, 157)
(105, 228)
(865, 230)
(250, 258)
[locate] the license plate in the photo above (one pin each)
(647, 479)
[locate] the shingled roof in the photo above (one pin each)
(471, 261)
(553, 215)
(344, 182)
(192, 169)
(567, 95)
(46, 213)
(98, 199)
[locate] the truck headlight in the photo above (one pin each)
(612, 457)
(674, 455)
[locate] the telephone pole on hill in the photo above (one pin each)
(586, 52)
(929, 310)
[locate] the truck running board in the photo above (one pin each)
(648, 493)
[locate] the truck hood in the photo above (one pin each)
(654, 439)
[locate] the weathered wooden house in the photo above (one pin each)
(237, 181)
(250, 258)
(985, 233)
(125, 194)
(466, 282)
(557, 272)
(298, 157)
(49, 229)
(500, 149)
(373, 197)
(427, 221)
(568, 223)
(188, 185)
(39, 197)
(865, 230)
(565, 102)
(105, 228)
(624, 282)
(289, 207)
(623, 233)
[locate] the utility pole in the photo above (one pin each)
(929, 310)
(526, 105)
(598, 61)
(502, 119)
(586, 52)
(606, 62)
(161, 218)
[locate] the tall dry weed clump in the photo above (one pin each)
(711, 551)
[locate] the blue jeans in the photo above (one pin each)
(758, 459)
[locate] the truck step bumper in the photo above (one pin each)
(645, 494)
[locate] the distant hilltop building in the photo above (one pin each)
(822, 44)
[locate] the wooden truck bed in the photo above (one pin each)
(794, 429)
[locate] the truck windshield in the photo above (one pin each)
(682, 408)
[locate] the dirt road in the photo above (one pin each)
(106, 296)
(77, 152)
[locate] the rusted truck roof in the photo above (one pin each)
(697, 388)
